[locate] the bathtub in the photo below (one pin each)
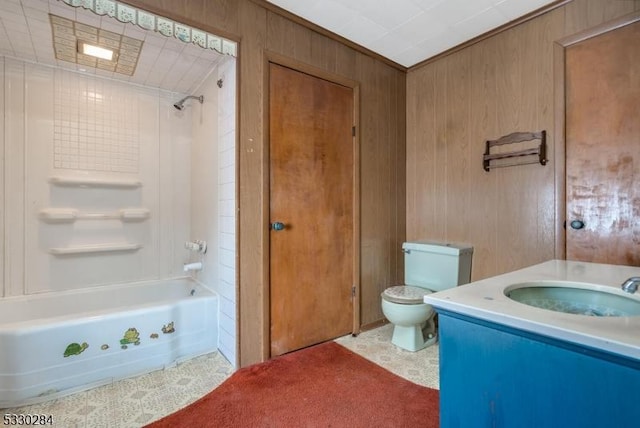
(54, 344)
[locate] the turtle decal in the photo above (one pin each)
(75, 349)
(131, 336)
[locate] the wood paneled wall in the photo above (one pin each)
(500, 85)
(382, 142)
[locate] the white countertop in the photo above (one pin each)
(486, 300)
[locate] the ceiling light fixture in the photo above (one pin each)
(96, 51)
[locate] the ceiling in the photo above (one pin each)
(409, 31)
(404, 31)
(164, 62)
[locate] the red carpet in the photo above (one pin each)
(322, 386)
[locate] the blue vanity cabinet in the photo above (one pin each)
(496, 376)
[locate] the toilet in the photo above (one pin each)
(428, 267)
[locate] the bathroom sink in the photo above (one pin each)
(575, 298)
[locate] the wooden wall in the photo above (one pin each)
(500, 85)
(382, 142)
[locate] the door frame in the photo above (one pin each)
(560, 151)
(275, 58)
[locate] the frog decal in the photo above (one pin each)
(131, 336)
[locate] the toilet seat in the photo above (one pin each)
(405, 294)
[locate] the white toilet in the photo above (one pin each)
(428, 267)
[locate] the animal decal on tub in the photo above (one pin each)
(75, 349)
(168, 329)
(131, 336)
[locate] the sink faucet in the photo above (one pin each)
(631, 284)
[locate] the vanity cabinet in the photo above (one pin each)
(492, 375)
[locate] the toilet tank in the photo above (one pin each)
(436, 265)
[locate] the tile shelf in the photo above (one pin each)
(69, 215)
(93, 182)
(96, 248)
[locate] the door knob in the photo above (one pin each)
(577, 224)
(277, 226)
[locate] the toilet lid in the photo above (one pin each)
(405, 294)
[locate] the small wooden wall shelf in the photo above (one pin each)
(517, 137)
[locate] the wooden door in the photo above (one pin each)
(311, 164)
(603, 148)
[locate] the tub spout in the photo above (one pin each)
(631, 284)
(192, 266)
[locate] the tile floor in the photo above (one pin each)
(140, 400)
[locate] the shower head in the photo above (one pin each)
(180, 104)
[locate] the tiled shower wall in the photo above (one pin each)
(227, 208)
(213, 193)
(61, 124)
(50, 134)
(92, 131)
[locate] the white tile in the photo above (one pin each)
(227, 323)
(227, 207)
(42, 5)
(134, 32)
(192, 49)
(110, 24)
(227, 258)
(228, 225)
(228, 309)
(479, 24)
(437, 45)
(227, 174)
(411, 56)
(11, 7)
(226, 286)
(361, 29)
(63, 10)
(389, 15)
(227, 190)
(426, 4)
(15, 20)
(330, 14)
(227, 346)
(228, 242)
(296, 6)
(174, 45)
(454, 11)
(153, 39)
(38, 15)
(227, 157)
(423, 26)
(513, 9)
(390, 43)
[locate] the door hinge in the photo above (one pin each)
(353, 291)
(353, 131)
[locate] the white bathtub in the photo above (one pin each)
(38, 358)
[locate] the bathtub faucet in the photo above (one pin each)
(631, 284)
(195, 266)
